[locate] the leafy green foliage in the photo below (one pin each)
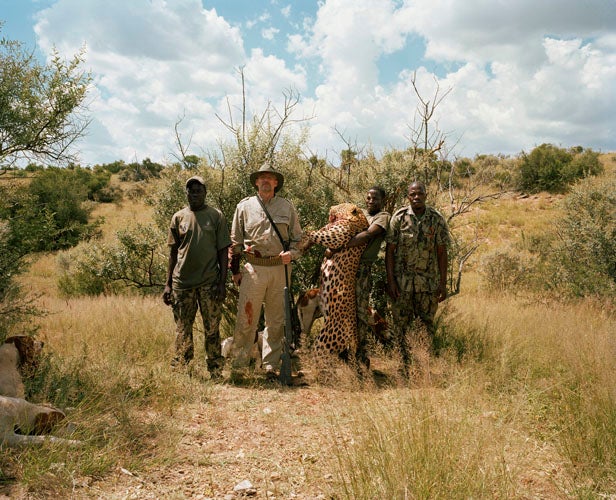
(16, 241)
(57, 200)
(577, 257)
(553, 169)
(41, 116)
(136, 260)
(136, 171)
(41, 106)
(585, 251)
(169, 197)
(80, 272)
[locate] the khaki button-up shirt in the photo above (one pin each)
(252, 231)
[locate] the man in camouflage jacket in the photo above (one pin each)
(416, 265)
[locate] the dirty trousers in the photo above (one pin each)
(261, 285)
(185, 304)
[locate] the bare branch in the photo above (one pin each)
(183, 150)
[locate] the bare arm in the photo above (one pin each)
(366, 236)
(442, 258)
(392, 285)
(173, 259)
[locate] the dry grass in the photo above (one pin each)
(494, 424)
(502, 222)
(121, 216)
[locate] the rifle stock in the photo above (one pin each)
(285, 365)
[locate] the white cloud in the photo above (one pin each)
(519, 73)
(269, 33)
(154, 63)
(520, 76)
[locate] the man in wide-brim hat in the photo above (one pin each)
(262, 277)
(267, 168)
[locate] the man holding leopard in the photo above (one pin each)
(373, 236)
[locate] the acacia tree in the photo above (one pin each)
(41, 116)
(42, 110)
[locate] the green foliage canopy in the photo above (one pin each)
(585, 250)
(42, 109)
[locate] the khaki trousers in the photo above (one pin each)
(260, 286)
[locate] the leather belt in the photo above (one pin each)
(263, 261)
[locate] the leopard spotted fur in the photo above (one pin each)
(337, 291)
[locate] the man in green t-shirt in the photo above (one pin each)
(197, 273)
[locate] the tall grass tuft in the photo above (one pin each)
(531, 407)
(425, 445)
(555, 363)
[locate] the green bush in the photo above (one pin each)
(80, 272)
(58, 197)
(553, 169)
(586, 253)
(578, 258)
(136, 171)
(584, 163)
(137, 260)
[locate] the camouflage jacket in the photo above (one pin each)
(416, 240)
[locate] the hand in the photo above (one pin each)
(304, 245)
(286, 257)
(441, 292)
(237, 279)
(221, 292)
(168, 296)
(329, 252)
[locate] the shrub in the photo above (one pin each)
(502, 271)
(80, 272)
(136, 171)
(583, 164)
(586, 253)
(58, 196)
(578, 258)
(553, 169)
(136, 261)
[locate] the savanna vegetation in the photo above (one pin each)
(518, 399)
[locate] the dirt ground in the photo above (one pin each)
(255, 438)
(267, 441)
(252, 438)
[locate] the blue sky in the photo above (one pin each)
(516, 74)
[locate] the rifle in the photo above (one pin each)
(285, 365)
(285, 359)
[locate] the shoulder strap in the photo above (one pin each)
(285, 244)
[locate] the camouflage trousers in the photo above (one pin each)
(185, 304)
(363, 288)
(413, 323)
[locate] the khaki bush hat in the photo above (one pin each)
(266, 168)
